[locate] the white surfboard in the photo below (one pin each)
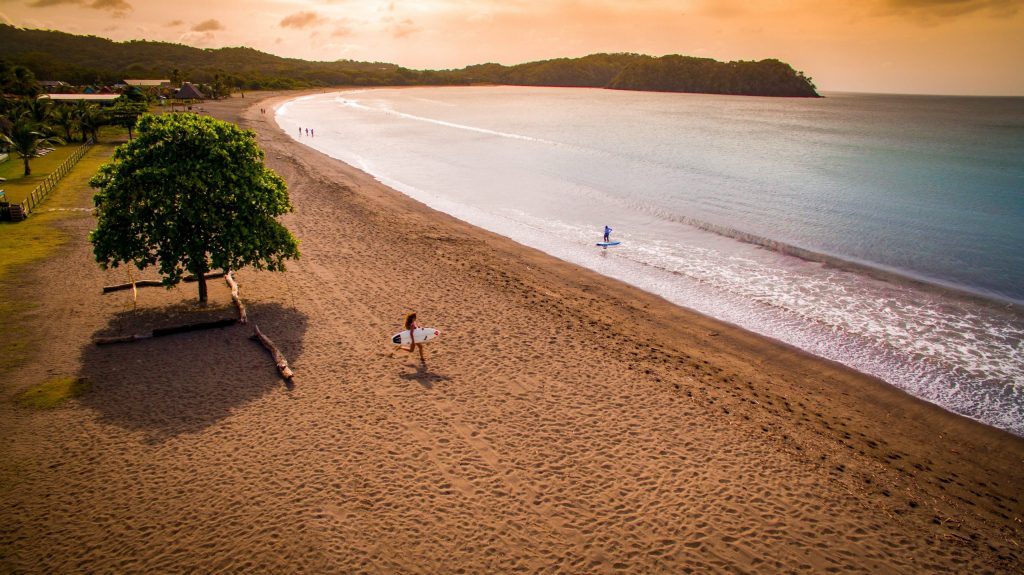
(423, 335)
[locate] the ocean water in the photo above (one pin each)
(882, 232)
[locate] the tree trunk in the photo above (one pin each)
(201, 278)
(28, 170)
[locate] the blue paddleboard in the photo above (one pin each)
(606, 244)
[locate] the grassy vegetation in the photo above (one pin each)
(52, 393)
(38, 237)
(18, 186)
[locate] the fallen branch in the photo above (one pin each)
(140, 283)
(122, 338)
(157, 283)
(162, 331)
(242, 318)
(212, 276)
(282, 363)
(279, 359)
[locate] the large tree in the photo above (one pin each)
(190, 194)
(126, 112)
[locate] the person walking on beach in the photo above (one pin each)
(412, 326)
(607, 234)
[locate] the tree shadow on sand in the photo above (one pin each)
(424, 376)
(184, 383)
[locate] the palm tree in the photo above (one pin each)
(66, 118)
(26, 139)
(41, 109)
(90, 119)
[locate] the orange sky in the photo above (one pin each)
(895, 46)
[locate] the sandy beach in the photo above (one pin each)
(563, 423)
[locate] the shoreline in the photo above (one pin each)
(914, 296)
(898, 404)
(565, 422)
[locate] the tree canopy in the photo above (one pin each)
(190, 194)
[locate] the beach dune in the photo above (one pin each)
(563, 423)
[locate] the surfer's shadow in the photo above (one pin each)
(424, 377)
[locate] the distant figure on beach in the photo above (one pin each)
(300, 131)
(410, 324)
(312, 132)
(607, 234)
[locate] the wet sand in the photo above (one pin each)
(563, 423)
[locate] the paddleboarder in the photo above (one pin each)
(607, 234)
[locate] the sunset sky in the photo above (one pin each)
(894, 46)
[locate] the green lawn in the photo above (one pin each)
(18, 186)
(23, 243)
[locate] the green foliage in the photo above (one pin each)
(52, 393)
(66, 118)
(190, 194)
(687, 74)
(126, 112)
(17, 80)
(90, 119)
(28, 137)
(87, 59)
(132, 94)
(594, 71)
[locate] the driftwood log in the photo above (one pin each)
(157, 283)
(282, 363)
(138, 284)
(162, 331)
(242, 318)
(279, 359)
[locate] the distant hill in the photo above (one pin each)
(83, 60)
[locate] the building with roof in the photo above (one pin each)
(97, 98)
(189, 92)
(54, 86)
(147, 83)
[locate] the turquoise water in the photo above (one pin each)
(906, 212)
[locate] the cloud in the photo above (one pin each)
(47, 3)
(115, 6)
(402, 28)
(952, 8)
(340, 31)
(198, 39)
(208, 26)
(173, 24)
(118, 7)
(302, 20)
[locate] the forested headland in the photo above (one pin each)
(90, 60)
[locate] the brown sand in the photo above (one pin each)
(566, 423)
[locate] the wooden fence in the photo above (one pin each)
(21, 211)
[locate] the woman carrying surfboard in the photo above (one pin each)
(410, 324)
